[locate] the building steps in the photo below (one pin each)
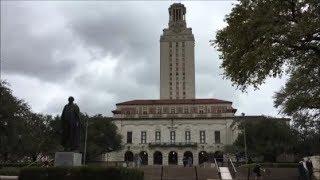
(174, 172)
(225, 173)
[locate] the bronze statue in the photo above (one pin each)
(70, 123)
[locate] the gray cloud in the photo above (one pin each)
(30, 45)
(103, 53)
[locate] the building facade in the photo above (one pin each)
(177, 125)
(165, 131)
(177, 71)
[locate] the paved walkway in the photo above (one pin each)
(8, 177)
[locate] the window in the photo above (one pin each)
(201, 110)
(170, 44)
(173, 110)
(145, 110)
(186, 110)
(158, 110)
(202, 137)
(187, 136)
(217, 137)
(172, 136)
(129, 137)
(158, 136)
(143, 137)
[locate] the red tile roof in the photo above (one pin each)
(174, 101)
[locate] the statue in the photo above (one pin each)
(70, 123)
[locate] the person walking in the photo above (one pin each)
(184, 160)
(189, 161)
(139, 161)
(257, 170)
(302, 171)
(309, 166)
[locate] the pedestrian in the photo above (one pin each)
(184, 160)
(257, 170)
(189, 161)
(139, 161)
(309, 166)
(135, 160)
(302, 171)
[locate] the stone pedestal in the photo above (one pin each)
(67, 159)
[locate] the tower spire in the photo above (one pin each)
(177, 13)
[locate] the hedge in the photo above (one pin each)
(9, 171)
(80, 173)
(3, 165)
(273, 165)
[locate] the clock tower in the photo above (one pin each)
(177, 71)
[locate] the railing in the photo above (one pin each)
(195, 169)
(173, 144)
(217, 166)
(161, 172)
(232, 169)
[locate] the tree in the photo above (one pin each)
(269, 38)
(13, 112)
(102, 136)
(23, 133)
(267, 138)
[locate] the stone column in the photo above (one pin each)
(150, 158)
(180, 158)
(195, 158)
(165, 158)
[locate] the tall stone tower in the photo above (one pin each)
(177, 76)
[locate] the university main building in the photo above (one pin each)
(177, 125)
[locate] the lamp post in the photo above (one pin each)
(85, 143)
(245, 145)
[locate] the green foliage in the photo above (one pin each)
(102, 136)
(267, 138)
(9, 171)
(273, 165)
(25, 135)
(80, 173)
(271, 38)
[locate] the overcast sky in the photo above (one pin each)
(105, 52)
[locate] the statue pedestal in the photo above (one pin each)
(67, 159)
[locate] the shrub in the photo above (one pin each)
(273, 165)
(19, 165)
(9, 171)
(80, 173)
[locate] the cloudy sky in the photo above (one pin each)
(105, 52)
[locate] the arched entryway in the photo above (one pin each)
(218, 155)
(144, 157)
(203, 157)
(188, 157)
(128, 156)
(173, 158)
(157, 158)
